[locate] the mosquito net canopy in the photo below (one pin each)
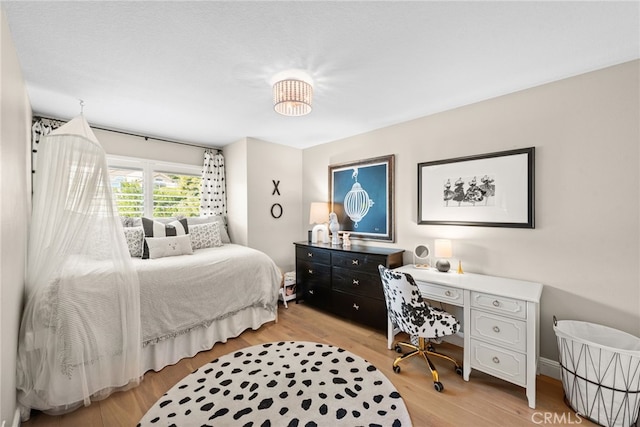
(80, 331)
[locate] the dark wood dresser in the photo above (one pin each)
(345, 281)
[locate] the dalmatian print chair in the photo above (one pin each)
(411, 314)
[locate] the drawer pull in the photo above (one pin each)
(310, 271)
(354, 262)
(495, 359)
(356, 306)
(356, 282)
(496, 303)
(309, 254)
(496, 329)
(310, 291)
(448, 293)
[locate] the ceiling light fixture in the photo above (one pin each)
(292, 93)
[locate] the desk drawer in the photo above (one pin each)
(508, 365)
(442, 293)
(505, 331)
(502, 305)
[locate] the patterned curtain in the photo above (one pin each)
(40, 127)
(213, 198)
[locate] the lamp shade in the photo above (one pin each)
(442, 248)
(319, 213)
(292, 97)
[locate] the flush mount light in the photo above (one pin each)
(292, 93)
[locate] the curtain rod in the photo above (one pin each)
(146, 138)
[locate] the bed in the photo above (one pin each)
(187, 304)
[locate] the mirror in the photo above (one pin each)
(421, 256)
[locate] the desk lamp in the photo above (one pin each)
(443, 250)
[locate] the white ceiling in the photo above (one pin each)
(200, 71)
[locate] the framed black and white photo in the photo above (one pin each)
(491, 190)
(362, 197)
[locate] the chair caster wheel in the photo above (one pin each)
(396, 369)
(438, 386)
(398, 349)
(459, 370)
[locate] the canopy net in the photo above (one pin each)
(80, 331)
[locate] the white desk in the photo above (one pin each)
(500, 322)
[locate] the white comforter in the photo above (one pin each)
(180, 293)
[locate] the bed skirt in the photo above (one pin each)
(171, 351)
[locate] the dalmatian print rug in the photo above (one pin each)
(282, 384)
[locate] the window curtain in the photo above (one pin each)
(213, 198)
(40, 127)
(79, 336)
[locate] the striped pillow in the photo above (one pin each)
(158, 229)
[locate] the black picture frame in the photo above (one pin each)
(488, 190)
(362, 196)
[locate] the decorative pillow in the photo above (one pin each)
(205, 235)
(135, 240)
(158, 229)
(224, 235)
(169, 246)
(127, 221)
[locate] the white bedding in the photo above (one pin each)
(187, 304)
(178, 294)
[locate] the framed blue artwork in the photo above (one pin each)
(362, 197)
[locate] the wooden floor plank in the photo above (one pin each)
(482, 401)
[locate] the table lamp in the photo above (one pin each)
(442, 249)
(319, 215)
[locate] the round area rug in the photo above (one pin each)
(282, 384)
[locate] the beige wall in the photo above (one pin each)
(584, 248)
(15, 205)
(252, 165)
(120, 144)
(235, 162)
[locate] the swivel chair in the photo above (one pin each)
(412, 315)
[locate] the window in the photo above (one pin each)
(154, 189)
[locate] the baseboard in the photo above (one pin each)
(549, 367)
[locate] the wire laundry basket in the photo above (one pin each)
(600, 368)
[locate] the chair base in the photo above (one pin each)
(425, 349)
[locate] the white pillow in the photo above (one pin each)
(205, 235)
(135, 238)
(169, 246)
(199, 220)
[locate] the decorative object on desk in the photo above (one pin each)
(334, 227)
(362, 197)
(346, 241)
(460, 267)
(491, 190)
(318, 215)
(421, 256)
(443, 250)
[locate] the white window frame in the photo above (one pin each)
(148, 168)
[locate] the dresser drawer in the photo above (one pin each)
(307, 272)
(356, 282)
(361, 309)
(317, 295)
(359, 262)
(442, 293)
(315, 255)
(508, 365)
(505, 331)
(511, 307)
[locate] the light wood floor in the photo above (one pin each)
(483, 401)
